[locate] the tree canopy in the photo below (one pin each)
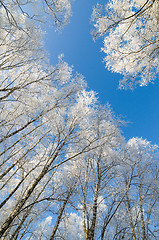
(131, 39)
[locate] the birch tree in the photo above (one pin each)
(95, 191)
(137, 216)
(131, 39)
(58, 10)
(142, 200)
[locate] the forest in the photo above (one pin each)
(66, 170)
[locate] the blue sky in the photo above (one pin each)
(140, 108)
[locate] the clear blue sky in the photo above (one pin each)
(139, 107)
